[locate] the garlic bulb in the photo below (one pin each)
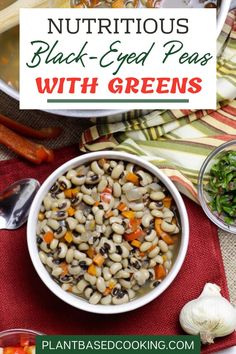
(210, 315)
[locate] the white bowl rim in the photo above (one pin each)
(75, 300)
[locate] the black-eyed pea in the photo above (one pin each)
(46, 228)
(83, 246)
(80, 228)
(154, 284)
(76, 239)
(117, 171)
(53, 224)
(64, 182)
(136, 206)
(115, 219)
(100, 284)
(106, 273)
(59, 215)
(106, 300)
(64, 204)
(88, 261)
(145, 246)
(99, 216)
(60, 232)
(56, 272)
(167, 264)
(167, 213)
(168, 227)
(79, 255)
(75, 290)
(81, 285)
(102, 185)
(139, 214)
(125, 262)
(44, 247)
(108, 231)
(69, 255)
(70, 174)
(125, 251)
(43, 257)
(145, 178)
(98, 271)
(157, 195)
(125, 283)
(87, 199)
(157, 213)
(54, 244)
(116, 190)
(122, 274)
(72, 222)
(96, 169)
(115, 267)
(169, 254)
(127, 186)
(61, 196)
(151, 236)
(131, 294)
(118, 229)
(74, 270)
(78, 180)
(154, 252)
(91, 279)
(115, 257)
(95, 298)
(155, 241)
(176, 231)
(47, 202)
(152, 263)
(50, 263)
(65, 287)
(146, 219)
(119, 301)
(158, 259)
(163, 246)
(117, 238)
(140, 277)
(80, 216)
(88, 292)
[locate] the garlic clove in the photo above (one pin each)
(210, 315)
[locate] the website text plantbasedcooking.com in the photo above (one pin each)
(117, 344)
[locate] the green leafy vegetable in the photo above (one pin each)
(222, 187)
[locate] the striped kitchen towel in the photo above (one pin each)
(177, 141)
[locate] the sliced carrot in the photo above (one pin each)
(92, 269)
(98, 259)
(102, 162)
(71, 211)
(122, 206)
(91, 252)
(96, 203)
(48, 237)
(64, 267)
(109, 214)
(68, 236)
(111, 284)
(142, 254)
(107, 291)
(167, 238)
(160, 272)
(136, 243)
(134, 224)
(129, 214)
(71, 193)
(134, 235)
(106, 195)
(158, 221)
(132, 177)
(167, 202)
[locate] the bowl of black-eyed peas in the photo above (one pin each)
(107, 232)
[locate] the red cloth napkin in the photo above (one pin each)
(25, 302)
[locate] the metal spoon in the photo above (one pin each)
(15, 202)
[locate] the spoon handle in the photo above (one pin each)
(9, 17)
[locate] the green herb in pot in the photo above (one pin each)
(222, 187)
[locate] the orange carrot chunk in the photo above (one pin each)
(160, 272)
(98, 259)
(132, 177)
(48, 237)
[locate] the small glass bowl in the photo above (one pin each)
(14, 337)
(203, 196)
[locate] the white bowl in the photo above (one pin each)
(75, 300)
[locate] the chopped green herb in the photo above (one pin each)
(222, 187)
